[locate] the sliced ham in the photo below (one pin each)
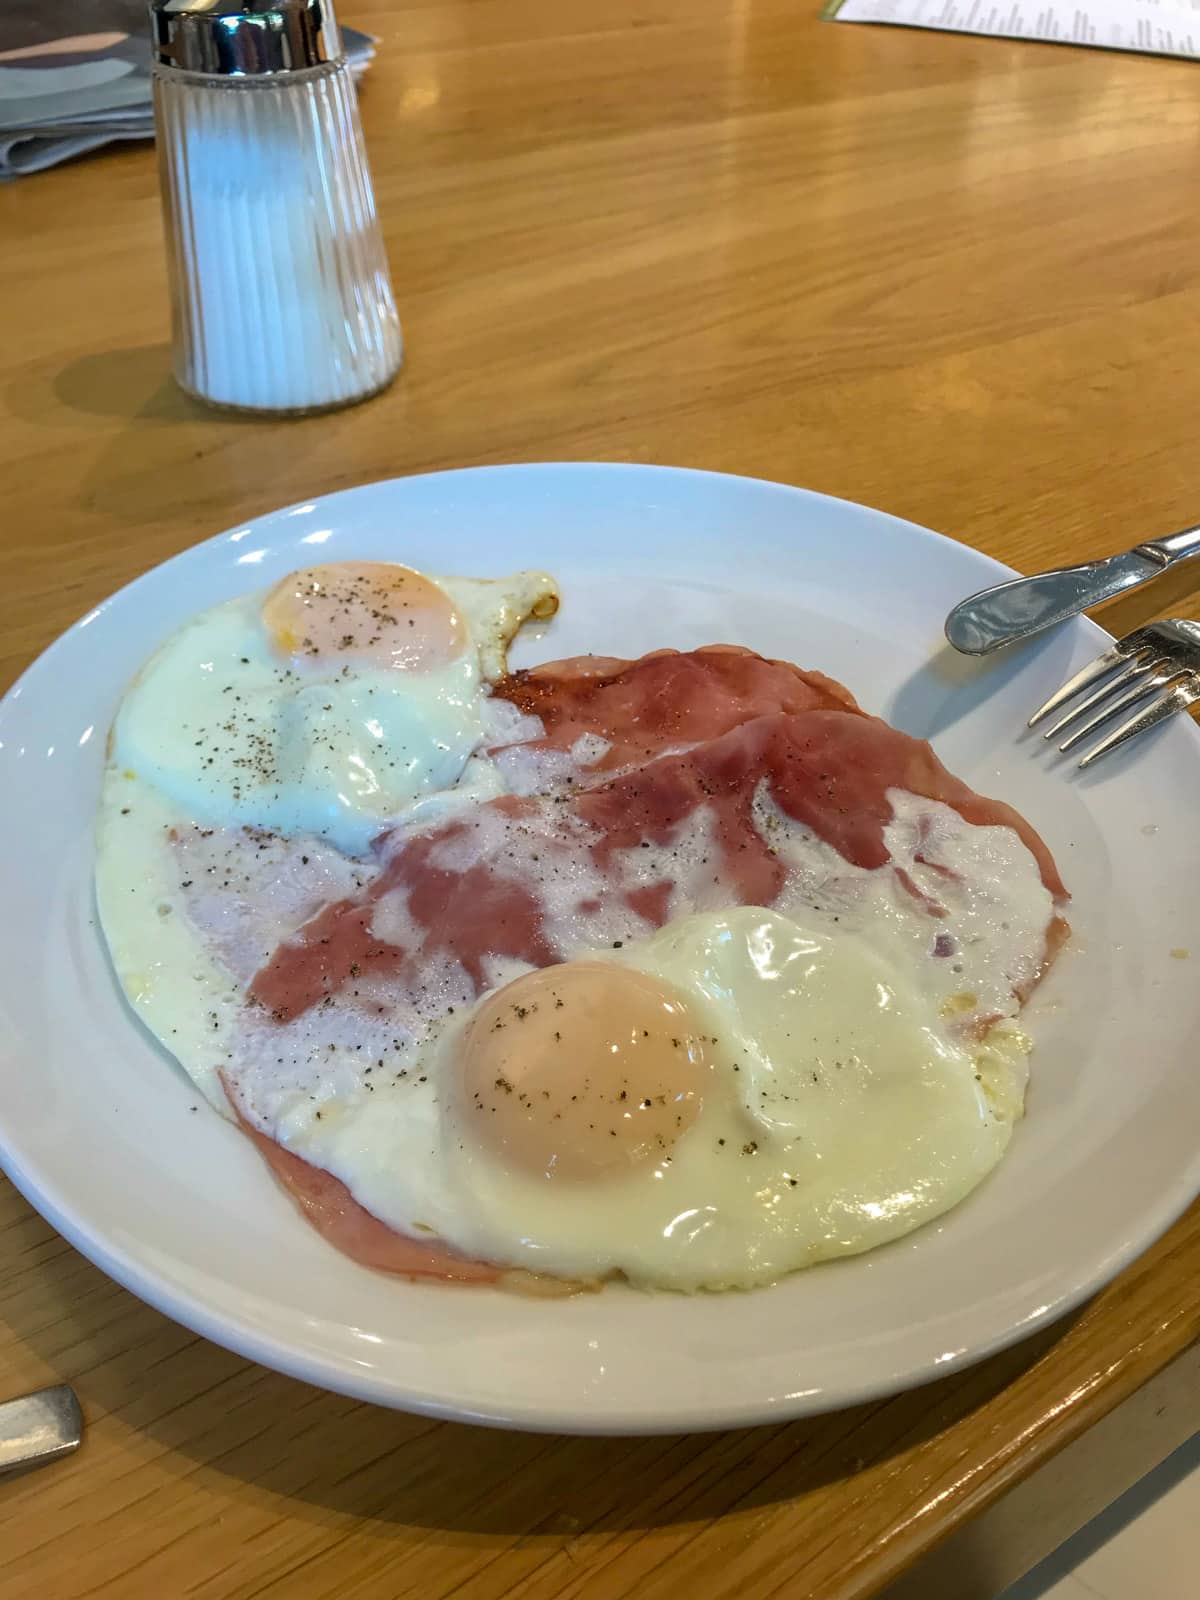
(829, 771)
(667, 700)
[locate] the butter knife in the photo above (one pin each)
(1024, 606)
(39, 1427)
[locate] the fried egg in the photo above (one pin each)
(351, 691)
(735, 1097)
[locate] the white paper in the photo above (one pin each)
(1153, 27)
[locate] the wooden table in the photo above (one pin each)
(956, 278)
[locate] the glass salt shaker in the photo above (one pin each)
(281, 299)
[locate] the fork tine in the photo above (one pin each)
(1177, 698)
(1135, 668)
(1112, 708)
(1087, 675)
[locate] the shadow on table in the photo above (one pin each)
(243, 1432)
(136, 382)
(134, 441)
(142, 451)
(123, 384)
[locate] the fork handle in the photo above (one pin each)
(1175, 547)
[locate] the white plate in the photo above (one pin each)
(99, 1130)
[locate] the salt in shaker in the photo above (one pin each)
(281, 300)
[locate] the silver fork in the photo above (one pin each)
(1154, 671)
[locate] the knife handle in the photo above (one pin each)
(39, 1427)
(1175, 547)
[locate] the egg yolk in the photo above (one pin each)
(374, 612)
(582, 1070)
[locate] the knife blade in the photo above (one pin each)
(1021, 607)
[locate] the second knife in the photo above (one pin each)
(1024, 606)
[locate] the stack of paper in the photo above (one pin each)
(1153, 27)
(74, 77)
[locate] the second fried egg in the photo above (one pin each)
(351, 691)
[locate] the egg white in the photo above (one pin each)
(234, 735)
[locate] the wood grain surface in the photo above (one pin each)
(956, 278)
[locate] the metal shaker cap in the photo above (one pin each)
(225, 38)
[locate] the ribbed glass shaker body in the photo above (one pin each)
(281, 299)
